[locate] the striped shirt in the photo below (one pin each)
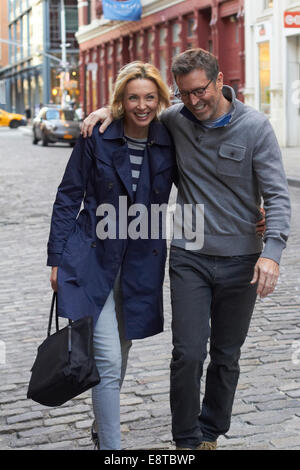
(136, 149)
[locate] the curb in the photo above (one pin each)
(294, 182)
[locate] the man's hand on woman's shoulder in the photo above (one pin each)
(101, 114)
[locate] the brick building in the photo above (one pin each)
(166, 28)
(3, 35)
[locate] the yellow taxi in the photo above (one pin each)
(11, 119)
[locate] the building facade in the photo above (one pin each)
(33, 75)
(272, 45)
(3, 34)
(3, 48)
(166, 28)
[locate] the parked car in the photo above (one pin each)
(54, 124)
(12, 120)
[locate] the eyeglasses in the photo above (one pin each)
(198, 92)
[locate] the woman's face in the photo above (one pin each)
(140, 103)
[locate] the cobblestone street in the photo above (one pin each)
(266, 413)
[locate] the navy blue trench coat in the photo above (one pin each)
(99, 172)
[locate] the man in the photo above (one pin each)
(228, 158)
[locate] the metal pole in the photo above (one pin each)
(46, 69)
(63, 52)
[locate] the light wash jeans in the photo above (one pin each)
(111, 353)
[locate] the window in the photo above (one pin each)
(102, 81)
(25, 41)
(176, 42)
(118, 56)
(18, 39)
(150, 44)
(52, 115)
(268, 4)
(163, 52)
(71, 17)
(94, 79)
(87, 107)
(17, 7)
(190, 27)
(175, 32)
(62, 115)
(24, 4)
(264, 77)
(139, 47)
(88, 11)
(71, 25)
(55, 39)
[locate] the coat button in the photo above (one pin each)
(155, 252)
(93, 244)
(110, 185)
(156, 190)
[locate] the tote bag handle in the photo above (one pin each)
(54, 302)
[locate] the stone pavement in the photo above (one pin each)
(266, 413)
(291, 162)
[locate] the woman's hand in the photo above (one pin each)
(261, 224)
(53, 278)
(103, 115)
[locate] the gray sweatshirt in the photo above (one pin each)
(228, 170)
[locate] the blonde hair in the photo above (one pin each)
(138, 70)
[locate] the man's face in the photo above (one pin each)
(208, 106)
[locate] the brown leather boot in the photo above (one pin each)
(206, 445)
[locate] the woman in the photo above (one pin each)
(97, 268)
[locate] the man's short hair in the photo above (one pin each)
(193, 59)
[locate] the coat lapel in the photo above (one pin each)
(145, 181)
(121, 163)
(120, 156)
(155, 160)
(158, 139)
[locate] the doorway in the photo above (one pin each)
(293, 91)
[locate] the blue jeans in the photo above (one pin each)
(111, 353)
(212, 299)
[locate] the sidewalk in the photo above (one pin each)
(291, 161)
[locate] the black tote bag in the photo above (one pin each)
(64, 366)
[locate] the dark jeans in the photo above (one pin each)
(212, 298)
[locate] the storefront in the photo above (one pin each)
(263, 38)
(292, 36)
(272, 36)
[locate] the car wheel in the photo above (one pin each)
(13, 124)
(72, 144)
(34, 140)
(44, 140)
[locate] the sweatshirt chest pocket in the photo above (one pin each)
(230, 159)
